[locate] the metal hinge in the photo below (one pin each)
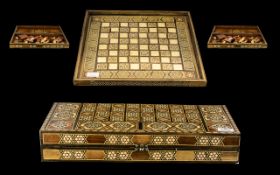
(141, 147)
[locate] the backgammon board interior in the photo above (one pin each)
(139, 132)
(150, 48)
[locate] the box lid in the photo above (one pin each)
(164, 125)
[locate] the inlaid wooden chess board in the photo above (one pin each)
(139, 48)
(139, 132)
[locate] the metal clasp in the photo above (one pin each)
(141, 147)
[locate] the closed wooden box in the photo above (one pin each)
(236, 36)
(38, 36)
(138, 48)
(139, 132)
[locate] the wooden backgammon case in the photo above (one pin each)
(138, 48)
(139, 132)
(236, 36)
(38, 36)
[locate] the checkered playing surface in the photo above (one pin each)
(138, 46)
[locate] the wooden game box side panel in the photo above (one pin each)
(78, 81)
(228, 29)
(41, 29)
(91, 82)
(130, 155)
(160, 140)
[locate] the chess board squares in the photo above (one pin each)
(101, 59)
(133, 24)
(161, 24)
(172, 35)
(124, 41)
(133, 41)
(114, 40)
(162, 30)
(162, 35)
(124, 66)
(176, 60)
(123, 46)
(174, 47)
(153, 35)
(143, 41)
(175, 53)
(144, 30)
(134, 66)
(163, 41)
(165, 53)
(133, 29)
(143, 24)
(102, 53)
(123, 35)
(134, 53)
(113, 47)
(101, 66)
(147, 108)
(134, 59)
(143, 35)
(143, 47)
(114, 24)
(153, 41)
(177, 67)
(124, 29)
(124, 24)
(114, 29)
(152, 24)
(167, 66)
(123, 59)
(154, 53)
(156, 67)
(144, 53)
(165, 59)
(114, 35)
(133, 107)
(155, 59)
(113, 66)
(163, 47)
(152, 29)
(113, 53)
(123, 53)
(145, 66)
(112, 59)
(105, 24)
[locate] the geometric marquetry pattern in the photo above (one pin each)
(207, 155)
(162, 155)
(139, 47)
(117, 155)
(120, 117)
(209, 140)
